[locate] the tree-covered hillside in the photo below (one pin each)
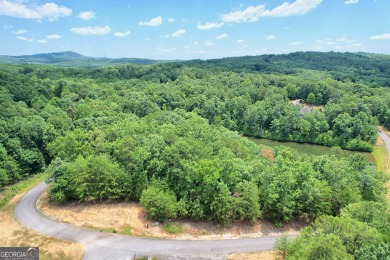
(370, 69)
(171, 136)
(71, 59)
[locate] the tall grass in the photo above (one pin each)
(8, 192)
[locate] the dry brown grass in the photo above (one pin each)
(265, 255)
(126, 216)
(14, 234)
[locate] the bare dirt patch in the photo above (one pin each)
(267, 153)
(129, 218)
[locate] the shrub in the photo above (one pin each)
(159, 204)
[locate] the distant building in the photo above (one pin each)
(306, 109)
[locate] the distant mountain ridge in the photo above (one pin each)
(370, 68)
(52, 54)
(73, 59)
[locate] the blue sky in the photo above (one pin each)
(198, 29)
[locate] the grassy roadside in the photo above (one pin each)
(14, 234)
(9, 192)
(382, 160)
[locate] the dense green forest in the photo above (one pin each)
(370, 69)
(171, 136)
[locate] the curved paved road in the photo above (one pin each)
(111, 246)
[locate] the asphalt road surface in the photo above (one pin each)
(386, 139)
(111, 246)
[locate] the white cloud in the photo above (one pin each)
(171, 20)
(54, 37)
(240, 41)
(87, 15)
(385, 36)
(7, 27)
(208, 26)
(178, 33)
(20, 32)
(122, 34)
(345, 39)
(253, 13)
(152, 22)
(199, 52)
(351, 2)
(208, 43)
(342, 43)
(298, 7)
(24, 39)
(92, 30)
(19, 9)
(331, 41)
(42, 41)
(222, 36)
(296, 43)
(53, 11)
(270, 37)
(166, 50)
(342, 39)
